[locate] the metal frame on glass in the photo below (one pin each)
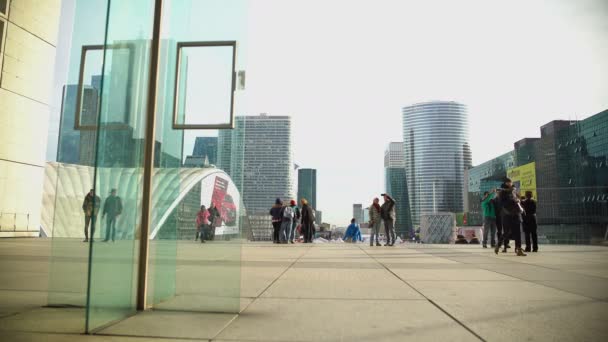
(183, 126)
(86, 48)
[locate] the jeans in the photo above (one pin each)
(511, 226)
(110, 227)
(276, 228)
(389, 229)
(489, 227)
(292, 231)
(375, 232)
(89, 220)
(285, 229)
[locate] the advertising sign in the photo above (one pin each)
(224, 196)
(524, 178)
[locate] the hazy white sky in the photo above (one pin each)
(344, 68)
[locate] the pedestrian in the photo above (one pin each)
(387, 212)
(489, 218)
(530, 226)
(277, 219)
(288, 215)
(202, 224)
(296, 220)
(375, 220)
(215, 220)
(90, 207)
(308, 220)
(353, 232)
(510, 216)
(113, 208)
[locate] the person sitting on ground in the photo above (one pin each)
(460, 240)
(474, 240)
(353, 232)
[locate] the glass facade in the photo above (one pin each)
(435, 141)
(307, 186)
(396, 186)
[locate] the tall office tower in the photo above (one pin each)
(307, 186)
(358, 213)
(396, 186)
(261, 161)
(435, 136)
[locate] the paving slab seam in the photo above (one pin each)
(261, 293)
(155, 337)
(531, 281)
(428, 299)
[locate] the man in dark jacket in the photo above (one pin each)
(308, 220)
(90, 206)
(387, 212)
(530, 226)
(277, 219)
(215, 220)
(511, 216)
(113, 208)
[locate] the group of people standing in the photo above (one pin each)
(112, 207)
(206, 222)
(383, 213)
(286, 218)
(504, 215)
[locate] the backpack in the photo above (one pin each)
(288, 213)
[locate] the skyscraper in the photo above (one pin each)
(260, 160)
(206, 147)
(358, 213)
(396, 186)
(437, 152)
(307, 186)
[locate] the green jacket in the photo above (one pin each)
(488, 207)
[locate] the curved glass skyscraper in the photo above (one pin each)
(435, 142)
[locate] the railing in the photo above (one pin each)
(14, 222)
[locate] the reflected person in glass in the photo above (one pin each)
(90, 207)
(113, 208)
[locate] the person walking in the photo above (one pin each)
(215, 220)
(489, 218)
(277, 219)
(511, 217)
(288, 216)
(375, 220)
(113, 208)
(530, 226)
(296, 220)
(90, 207)
(387, 212)
(308, 219)
(202, 223)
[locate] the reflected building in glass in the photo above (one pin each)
(437, 152)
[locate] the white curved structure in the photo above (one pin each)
(66, 185)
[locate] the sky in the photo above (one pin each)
(343, 69)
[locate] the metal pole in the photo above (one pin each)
(142, 275)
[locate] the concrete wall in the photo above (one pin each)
(26, 76)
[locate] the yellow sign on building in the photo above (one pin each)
(524, 178)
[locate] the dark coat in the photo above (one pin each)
(529, 215)
(112, 206)
(387, 210)
(276, 213)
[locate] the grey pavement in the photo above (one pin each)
(334, 292)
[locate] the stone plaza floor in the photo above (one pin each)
(346, 292)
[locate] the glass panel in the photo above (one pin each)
(3, 7)
(119, 162)
(205, 85)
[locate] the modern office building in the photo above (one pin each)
(395, 184)
(358, 212)
(261, 161)
(307, 186)
(435, 136)
(566, 170)
(28, 40)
